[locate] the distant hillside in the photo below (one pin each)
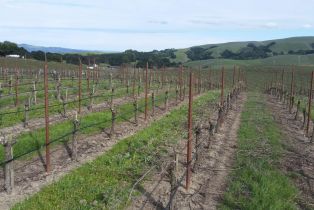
(294, 45)
(280, 60)
(60, 50)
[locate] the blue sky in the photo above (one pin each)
(145, 25)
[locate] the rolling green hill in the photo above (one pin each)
(281, 46)
(284, 60)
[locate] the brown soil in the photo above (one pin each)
(30, 175)
(215, 159)
(298, 159)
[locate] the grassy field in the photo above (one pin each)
(106, 182)
(256, 182)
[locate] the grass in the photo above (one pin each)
(89, 124)
(106, 182)
(257, 183)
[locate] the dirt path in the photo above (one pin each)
(298, 159)
(210, 169)
(30, 175)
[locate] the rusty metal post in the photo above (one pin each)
(162, 77)
(48, 166)
(291, 90)
(88, 78)
(16, 89)
(282, 80)
(310, 105)
(133, 85)
(146, 91)
(222, 87)
(80, 86)
(233, 76)
(209, 79)
(190, 135)
(181, 72)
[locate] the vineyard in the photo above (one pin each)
(187, 137)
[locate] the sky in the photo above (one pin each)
(145, 25)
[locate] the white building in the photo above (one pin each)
(12, 56)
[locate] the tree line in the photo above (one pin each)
(139, 59)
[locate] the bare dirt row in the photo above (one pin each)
(298, 159)
(214, 157)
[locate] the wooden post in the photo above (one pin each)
(190, 136)
(110, 81)
(297, 112)
(173, 183)
(113, 119)
(153, 103)
(177, 92)
(8, 142)
(26, 112)
(76, 124)
(58, 85)
(91, 98)
(64, 106)
(111, 98)
(10, 85)
(34, 93)
(166, 100)
(197, 139)
(135, 104)
(48, 166)
(66, 95)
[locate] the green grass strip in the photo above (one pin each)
(106, 182)
(257, 182)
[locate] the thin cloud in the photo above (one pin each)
(89, 29)
(307, 26)
(270, 25)
(161, 22)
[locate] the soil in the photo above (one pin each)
(30, 175)
(215, 157)
(298, 159)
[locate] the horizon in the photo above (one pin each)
(121, 25)
(159, 49)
